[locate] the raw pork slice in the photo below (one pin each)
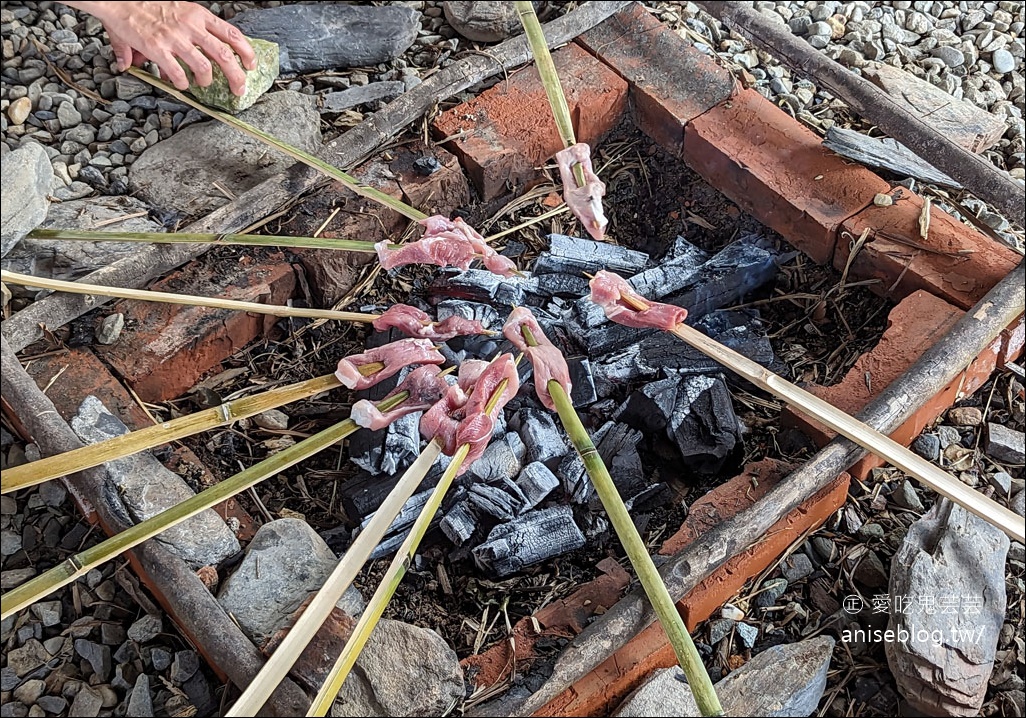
(393, 356)
(585, 202)
(547, 360)
(608, 291)
(426, 388)
(446, 243)
(414, 323)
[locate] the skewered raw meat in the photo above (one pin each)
(446, 243)
(393, 356)
(608, 291)
(458, 419)
(414, 323)
(585, 202)
(425, 386)
(547, 360)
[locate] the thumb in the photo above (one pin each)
(122, 53)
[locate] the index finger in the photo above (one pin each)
(235, 39)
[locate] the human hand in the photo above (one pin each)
(165, 32)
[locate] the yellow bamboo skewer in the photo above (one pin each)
(286, 654)
(86, 457)
(187, 299)
(851, 428)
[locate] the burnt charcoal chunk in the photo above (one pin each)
(573, 255)
(485, 313)
(494, 501)
(478, 285)
(534, 537)
(400, 527)
(363, 494)
(703, 424)
(389, 451)
(543, 439)
(618, 369)
(536, 482)
(503, 459)
(617, 444)
(650, 407)
(562, 285)
(460, 523)
(582, 383)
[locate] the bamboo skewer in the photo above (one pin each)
(286, 654)
(82, 562)
(188, 299)
(393, 576)
(305, 157)
(51, 467)
(851, 428)
(676, 632)
(257, 240)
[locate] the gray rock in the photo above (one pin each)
(781, 681)
(906, 497)
(272, 419)
(329, 36)
(796, 567)
(97, 655)
(110, 328)
(871, 571)
(25, 178)
(404, 671)
(87, 703)
(68, 116)
(146, 628)
(285, 562)
(147, 488)
(948, 435)
(28, 657)
(140, 703)
(48, 612)
(52, 704)
(129, 88)
(339, 101)
(771, 592)
(820, 29)
(179, 174)
(956, 561)
(1006, 446)
(952, 56)
(184, 666)
(8, 679)
(927, 445)
(482, 21)
(1018, 503)
(1003, 61)
(1002, 482)
(30, 691)
(747, 633)
(160, 658)
(720, 628)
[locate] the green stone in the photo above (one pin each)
(217, 94)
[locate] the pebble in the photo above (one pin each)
(1002, 482)
(747, 633)
(145, 629)
(1002, 61)
(965, 416)
(732, 612)
(871, 571)
(18, 111)
(184, 666)
(952, 57)
(160, 658)
(906, 497)
(272, 419)
(87, 703)
(796, 567)
(772, 590)
(948, 435)
(928, 446)
(719, 629)
(30, 691)
(883, 200)
(110, 328)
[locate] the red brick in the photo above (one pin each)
(955, 262)
(508, 130)
(166, 348)
(778, 171)
(671, 82)
(604, 688)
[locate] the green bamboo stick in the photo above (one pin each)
(393, 576)
(676, 632)
(256, 240)
(305, 157)
(84, 561)
(91, 455)
(550, 79)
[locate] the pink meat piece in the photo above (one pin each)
(414, 323)
(548, 362)
(585, 202)
(426, 388)
(608, 291)
(446, 243)
(394, 356)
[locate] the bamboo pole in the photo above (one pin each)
(851, 428)
(187, 299)
(71, 462)
(247, 240)
(84, 561)
(393, 576)
(676, 632)
(305, 157)
(286, 654)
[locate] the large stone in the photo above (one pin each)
(285, 563)
(258, 81)
(781, 681)
(181, 173)
(1006, 446)
(25, 178)
(147, 488)
(404, 671)
(323, 36)
(71, 260)
(482, 21)
(950, 576)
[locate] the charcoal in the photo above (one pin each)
(452, 358)
(460, 523)
(501, 460)
(530, 539)
(363, 494)
(562, 285)
(485, 313)
(582, 383)
(536, 482)
(513, 249)
(478, 285)
(573, 255)
(494, 501)
(389, 545)
(650, 407)
(544, 441)
(402, 444)
(480, 347)
(367, 449)
(510, 487)
(615, 370)
(617, 444)
(406, 516)
(648, 498)
(704, 425)
(671, 275)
